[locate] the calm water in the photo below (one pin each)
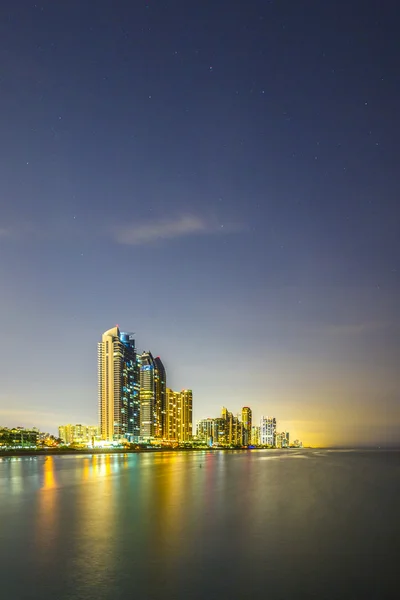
(200, 526)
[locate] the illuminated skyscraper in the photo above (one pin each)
(179, 426)
(184, 416)
(255, 435)
(268, 431)
(228, 418)
(160, 382)
(172, 412)
(119, 406)
(147, 396)
(152, 397)
(205, 430)
(247, 421)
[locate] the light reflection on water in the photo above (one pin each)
(198, 525)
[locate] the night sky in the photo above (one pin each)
(221, 178)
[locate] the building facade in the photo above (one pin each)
(184, 416)
(179, 424)
(268, 431)
(205, 430)
(282, 439)
(255, 435)
(78, 434)
(160, 382)
(18, 437)
(247, 424)
(148, 418)
(119, 386)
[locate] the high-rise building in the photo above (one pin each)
(184, 417)
(119, 404)
(247, 423)
(205, 429)
(172, 412)
(228, 419)
(179, 426)
(148, 418)
(160, 382)
(219, 431)
(268, 431)
(255, 435)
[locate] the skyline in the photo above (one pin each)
(221, 181)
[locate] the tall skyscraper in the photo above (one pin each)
(247, 422)
(255, 435)
(185, 422)
(172, 413)
(119, 405)
(160, 382)
(179, 426)
(147, 395)
(268, 431)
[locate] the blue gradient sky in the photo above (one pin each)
(219, 178)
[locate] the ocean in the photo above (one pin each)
(201, 525)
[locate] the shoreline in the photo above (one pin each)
(86, 451)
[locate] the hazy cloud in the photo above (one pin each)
(167, 229)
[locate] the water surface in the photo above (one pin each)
(265, 524)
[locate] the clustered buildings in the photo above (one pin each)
(135, 403)
(230, 430)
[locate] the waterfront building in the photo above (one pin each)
(219, 431)
(282, 439)
(160, 383)
(184, 416)
(268, 431)
(78, 434)
(247, 424)
(179, 415)
(148, 413)
(233, 431)
(18, 437)
(227, 417)
(172, 413)
(255, 435)
(119, 386)
(205, 430)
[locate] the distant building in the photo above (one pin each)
(119, 385)
(247, 423)
(184, 417)
(233, 429)
(282, 439)
(255, 435)
(227, 417)
(172, 415)
(78, 434)
(205, 430)
(268, 431)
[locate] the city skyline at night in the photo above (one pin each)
(222, 179)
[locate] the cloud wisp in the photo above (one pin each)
(167, 229)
